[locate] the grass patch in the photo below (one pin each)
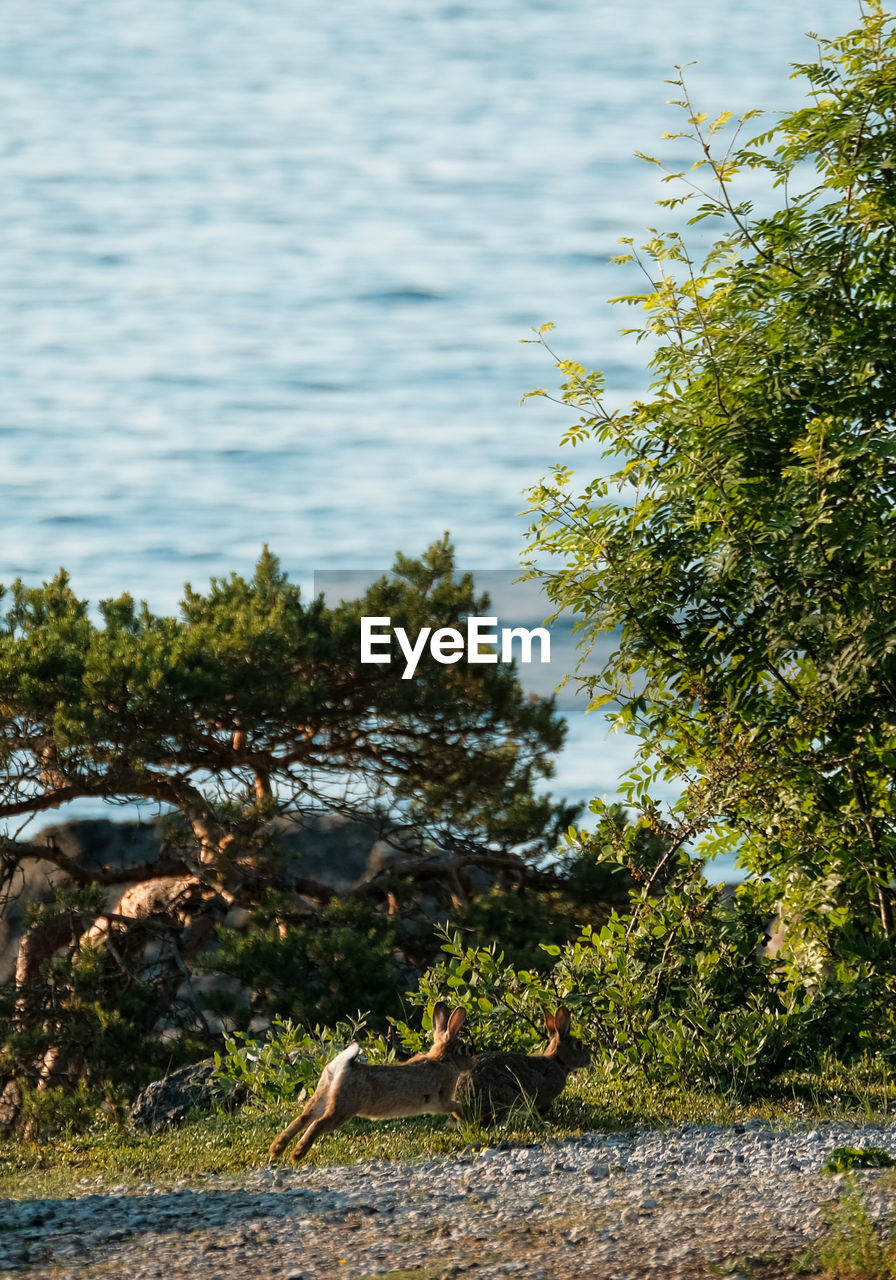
(229, 1145)
(856, 1247)
(770, 1265)
(415, 1273)
(111, 1156)
(844, 1159)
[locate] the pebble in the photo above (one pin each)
(688, 1199)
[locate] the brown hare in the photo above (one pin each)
(500, 1081)
(424, 1085)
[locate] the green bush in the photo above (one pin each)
(673, 991)
(284, 1067)
(312, 972)
(523, 920)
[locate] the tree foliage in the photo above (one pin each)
(253, 703)
(741, 541)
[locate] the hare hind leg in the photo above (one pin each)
(331, 1119)
(314, 1107)
(282, 1141)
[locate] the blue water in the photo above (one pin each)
(265, 268)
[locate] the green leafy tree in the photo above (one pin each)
(741, 541)
(249, 708)
(314, 970)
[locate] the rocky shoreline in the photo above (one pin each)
(694, 1201)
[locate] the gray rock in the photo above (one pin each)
(168, 1102)
(330, 848)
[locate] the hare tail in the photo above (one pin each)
(341, 1063)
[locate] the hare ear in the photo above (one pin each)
(562, 1021)
(549, 1022)
(439, 1016)
(456, 1021)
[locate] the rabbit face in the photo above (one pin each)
(572, 1054)
(447, 1045)
(565, 1048)
(461, 1057)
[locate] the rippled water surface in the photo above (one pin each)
(265, 268)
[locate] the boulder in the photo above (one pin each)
(168, 1102)
(100, 844)
(330, 848)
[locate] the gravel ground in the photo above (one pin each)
(696, 1201)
